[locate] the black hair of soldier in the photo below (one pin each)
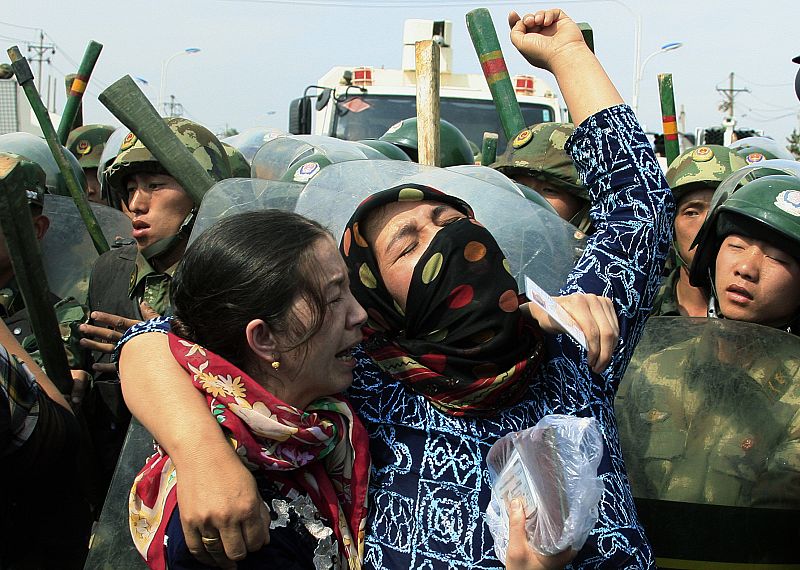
(248, 266)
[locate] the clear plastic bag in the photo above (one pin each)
(552, 469)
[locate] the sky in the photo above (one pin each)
(257, 55)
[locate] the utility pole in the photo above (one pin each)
(730, 94)
(39, 57)
(173, 109)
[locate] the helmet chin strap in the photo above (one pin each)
(713, 311)
(166, 245)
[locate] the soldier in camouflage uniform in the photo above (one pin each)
(693, 177)
(122, 278)
(537, 159)
(86, 143)
(716, 419)
(454, 148)
(69, 313)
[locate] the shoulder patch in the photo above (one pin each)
(702, 154)
(523, 138)
(129, 141)
(789, 202)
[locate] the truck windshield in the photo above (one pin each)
(369, 116)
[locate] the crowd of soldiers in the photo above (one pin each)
(709, 412)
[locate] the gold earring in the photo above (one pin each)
(276, 365)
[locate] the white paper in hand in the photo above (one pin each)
(541, 299)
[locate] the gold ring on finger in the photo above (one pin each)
(213, 544)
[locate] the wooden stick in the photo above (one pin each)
(427, 54)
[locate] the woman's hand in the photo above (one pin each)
(596, 318)
(544, 37)
(520, 556)
(219, 501)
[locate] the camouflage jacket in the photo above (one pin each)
(69, 314)
(666, 302)
(695, 429)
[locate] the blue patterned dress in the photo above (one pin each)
(429, 487)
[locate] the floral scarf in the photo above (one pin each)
(322, 451)
(461, 342)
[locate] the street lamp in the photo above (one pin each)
(665, 48)
(164, 65)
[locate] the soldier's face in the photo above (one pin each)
(757, 282)
(565, 204)
(691, 214)
(158, 205)
(93, 186)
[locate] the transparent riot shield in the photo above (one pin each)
(709, 420)
(236, 195)
(67, 250)
(111, 546)
(536, 242)
(502, 181)
(275, 159)
(249, 141)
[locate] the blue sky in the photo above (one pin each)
(257, 55)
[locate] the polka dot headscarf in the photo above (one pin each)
(461, 341)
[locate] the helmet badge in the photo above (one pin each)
(702, 154)
(83, 147)
(754, 157)
(789, 202)
(523, 138)
(306, 172)
(129, 141)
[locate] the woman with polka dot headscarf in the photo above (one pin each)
(450, 365)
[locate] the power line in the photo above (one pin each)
(769, 85)
(19, 26)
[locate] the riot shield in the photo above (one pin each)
(536, 242)
(111, 546)
(709, 421)
(236, 195)
(67, 249)
(249, 141)
(502, 181)
(276, 158)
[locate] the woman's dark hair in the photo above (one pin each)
(248, 266)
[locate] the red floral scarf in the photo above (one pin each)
(322, 451)
(461, 341)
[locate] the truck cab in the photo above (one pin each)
(356, 103)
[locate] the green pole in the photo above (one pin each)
(26, 259)
(670, 125)
(489, 149)
(25, 78)
(77, 90)
(128, 104)
(484, 39)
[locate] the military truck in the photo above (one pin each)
(357, 103)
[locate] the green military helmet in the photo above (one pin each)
(33, 177)
(766, 208)
(702, 167)
(306, 168)
(240, 168)
(539, 151)
(134, 157)
(87, 144)
(387, 149)
(454, 148)
(36, 150)
(756, 149)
